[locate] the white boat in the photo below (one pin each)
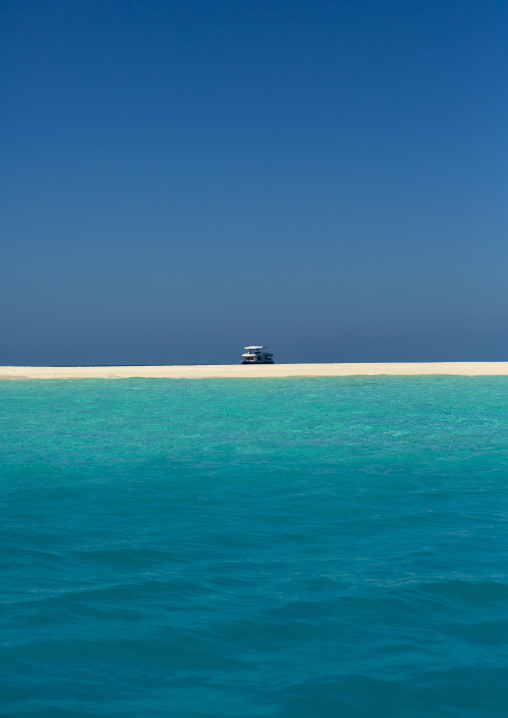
(256, 355)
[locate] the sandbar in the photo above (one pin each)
(239, 371)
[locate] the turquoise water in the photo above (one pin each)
(250, 548)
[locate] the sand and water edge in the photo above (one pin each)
(238, 371)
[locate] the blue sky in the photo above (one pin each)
(181, 179)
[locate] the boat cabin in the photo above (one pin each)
(256, 355)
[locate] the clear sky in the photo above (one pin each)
(183, 178)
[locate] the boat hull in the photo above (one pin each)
(256, 363)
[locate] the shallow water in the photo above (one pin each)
(279, 547)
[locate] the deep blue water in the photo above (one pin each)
(254, 547)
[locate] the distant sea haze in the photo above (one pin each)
(327, 547)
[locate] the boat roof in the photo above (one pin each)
(255, 347)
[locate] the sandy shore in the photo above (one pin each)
(236, 371)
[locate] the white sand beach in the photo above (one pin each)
(238, 371)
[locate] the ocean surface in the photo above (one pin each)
(296, 548)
